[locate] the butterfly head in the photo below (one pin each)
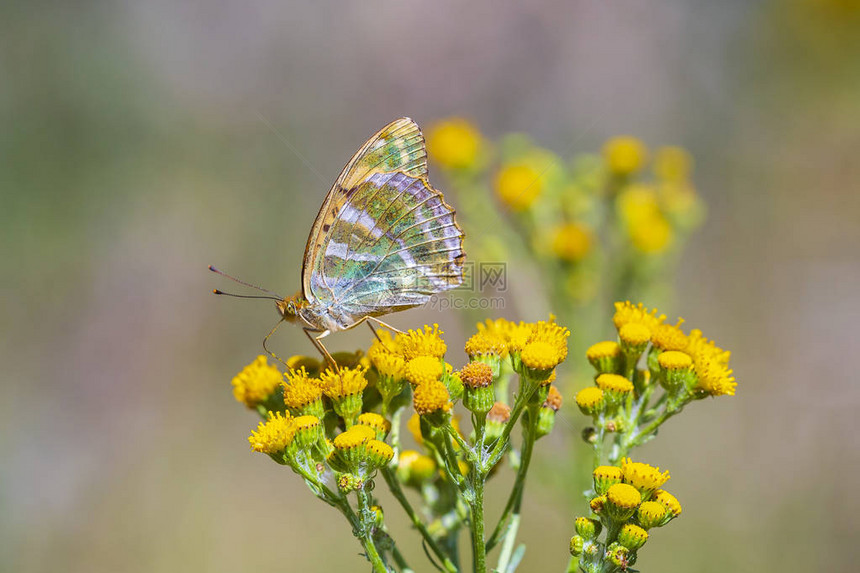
(290, 306)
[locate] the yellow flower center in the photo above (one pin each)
(607, 473)
(589, 398)
(624, 495)
(484, 343)
(614, 382)
(605, 349)
(431, 397)
(634, 334)
(674, 360)
(353, 437)
(423, 369)
(476, 375)
(541, 355)
(375, 422)
(651, 512)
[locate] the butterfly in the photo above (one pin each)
(383, 241)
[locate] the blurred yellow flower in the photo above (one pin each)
(651, 236)
(454, 143)
(518, 186)
(571, 242)
(673, 164)
(624, 154)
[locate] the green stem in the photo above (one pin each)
(479, 551)
(365, 531)
(514, 504)
(400, 496)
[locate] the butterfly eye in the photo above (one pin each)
(291, 308)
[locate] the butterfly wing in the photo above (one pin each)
(396, 245)
(399, 146)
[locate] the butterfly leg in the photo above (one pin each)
(315, 340)
(383, 324)
(266, 348)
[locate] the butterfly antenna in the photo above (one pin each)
(267, 297)
(234, 279)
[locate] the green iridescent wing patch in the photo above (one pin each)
(392, 245)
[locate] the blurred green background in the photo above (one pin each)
(138, 145)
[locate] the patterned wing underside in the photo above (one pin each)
(399, 146)
(393, 244)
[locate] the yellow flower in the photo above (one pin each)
(674, 360)
(637, 203)
(626, 313)
(355, 436)
(552, 334)
(518, 185)
(668, 501)
(454, 143)
(426, 342)
(624, 154)
(431, 397)
(346, 382)
(632, 536)
(571, 242)
(256, 382)
(300, 390)
(614, 383)
(673, 164)
(643, 477)
(375, 422)
(622, 501)
(414, 468)
(651, 514)
(423, 369)
(379, 453)
(604, 356)
(715, 378)
(383, 355)
(485, 343)
(589, 400)
(634, 334)
(651, 236)
(414, 427)
(541, 355)
(700, 347)
(668, 337)
(273, 435)
(605, 477)
(476, 375)
(307, 430)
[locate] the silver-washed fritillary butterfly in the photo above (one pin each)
(384, 240)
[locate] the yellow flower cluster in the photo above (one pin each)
(256, 382)
(343, 383)
(676, 350)
(300, 390)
